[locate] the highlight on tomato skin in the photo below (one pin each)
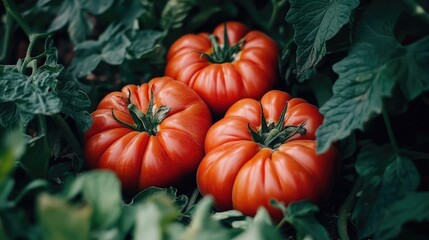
(245, 67)
(149, 135)
(263, 150)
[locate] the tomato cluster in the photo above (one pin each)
(159, 132)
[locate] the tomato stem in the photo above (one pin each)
(7, 37)
(344, 211)
(277, 8)
(144, 122)
(390, 133)
(273, 135)
(225, 53)
(12, 9)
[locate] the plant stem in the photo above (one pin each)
(344, 211)
(389, 129)
(13, 11)
(68, 134)
(7, 37)
(28, 58)
(255, 15)
(277, 7)
(42, 125)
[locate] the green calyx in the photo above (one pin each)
(274, 135)
(145, 122)
(225, 53)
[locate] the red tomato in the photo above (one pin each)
(224, 73)
(258, 152)
(150, 135)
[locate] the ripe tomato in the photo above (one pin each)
(224, 73)
(150, 135)
(266, 150)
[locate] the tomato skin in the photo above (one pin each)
(243, 174)
(250, 74)
(139, 159)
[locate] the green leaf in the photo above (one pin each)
(34, 94)
(180, 201)
(101, 190)
(17, 225)
(10, 116)
(413, 207)
(153, 216)
(130, 11)
(114, 50)
(11, 85)
(12, 147)
(79, 25)
(32, 186)
(261, 228)
(61, 19)
(366, 76)
(2, 232)
(36, 159)
(75, 103)
(62, 220)
(417, 61)
(301, 216)
(73, 14)
(315, 22)
(175, 12)
(97, 7)
(38, 94)
(203, 226)
(387, 178)
(144, 42)
(87, 57)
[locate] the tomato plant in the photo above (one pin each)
(231, 63)
(150, 135)
(266, 150)
(362, 64)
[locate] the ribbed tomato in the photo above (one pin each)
(246, 66)
(150, 135)
(266, 150)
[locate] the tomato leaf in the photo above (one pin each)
(366, 76)
(203, 226)
(75, 102)
(301, 216)
(87, 57)
(417, 62)
(152, 216)
(143, 42)
(234, 218)
(101, 190)
(387, 178)
(12, 147)
(413, 207)
(115, 44)
(52, 212)
(314, 24)
(61, 19)
(180, 201)
(97, 7)
(36, 159)
(74, 15)
(261, 228)
(175, 12)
